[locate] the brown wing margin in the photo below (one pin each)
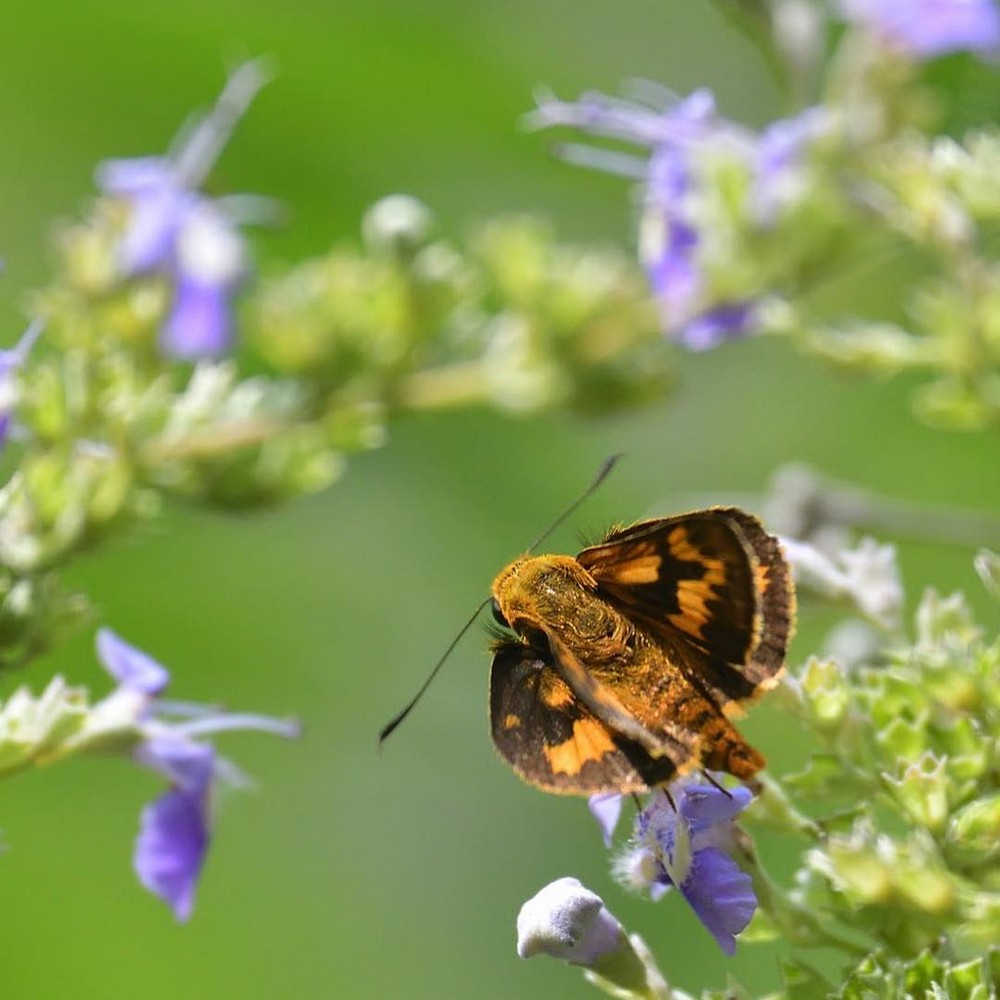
(552, 740)
(776, 601)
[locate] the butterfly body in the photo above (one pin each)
(627, 662)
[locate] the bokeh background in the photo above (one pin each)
(349, 874)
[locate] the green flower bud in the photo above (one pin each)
(901, 740)
(944, 620)
(922, 791)
(921, 879)
(974, 831)
(860, 865)
(397, 225)
(32, 726)
(825, 693)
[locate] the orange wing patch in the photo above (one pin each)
(693, 595)
(556, 694)
(639, 569)
(590, 742)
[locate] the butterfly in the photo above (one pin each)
(619, 669)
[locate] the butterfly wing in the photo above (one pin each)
(550, 736)
(712, 587)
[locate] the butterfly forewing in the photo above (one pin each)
(692, 574)
(712, 587)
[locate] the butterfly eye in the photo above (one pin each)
(498, 615)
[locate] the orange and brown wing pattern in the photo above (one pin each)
(712, 587)
(552, 739)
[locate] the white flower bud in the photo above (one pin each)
(568, 921)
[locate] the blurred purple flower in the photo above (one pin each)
(687, 845)
(176, 231)
(11, 360)
(175, 830)
(929, 28)
(676, 132)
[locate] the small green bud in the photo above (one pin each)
(902, 740)
(922, 791)
(825, 693)
(968, 751)
(921, 879)
(944, 619)
(30, 726)
(397, 226)
(974, 831)
(860, 865)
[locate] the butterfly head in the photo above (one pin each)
(536, 589)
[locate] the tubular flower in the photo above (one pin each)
(175, 830)
(687, 845)
(176, 231)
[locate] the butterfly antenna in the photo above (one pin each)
(391, 725)
(394, 722)
(602, 474)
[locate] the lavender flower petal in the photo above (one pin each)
(189, 765)
(929, 28)
(132, 668)
(606, 808)
(685, 845)
(721, 894)
(170, 849)
(714, 327)
(199, 324)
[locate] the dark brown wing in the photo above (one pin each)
(552, 739)
(711, 586)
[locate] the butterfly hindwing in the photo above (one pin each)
(552, 739)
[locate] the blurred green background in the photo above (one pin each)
(349, 874)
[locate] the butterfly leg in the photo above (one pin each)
(707, 775)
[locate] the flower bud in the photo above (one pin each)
(568, 921)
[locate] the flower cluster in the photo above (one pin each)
(706, 183)
(175, 232)
(736, 228)
(897, 810)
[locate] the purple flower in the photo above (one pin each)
(688, 847)
(175, 830)
(928, 28)
(176, 231)
(11, 360)
(678, 135)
